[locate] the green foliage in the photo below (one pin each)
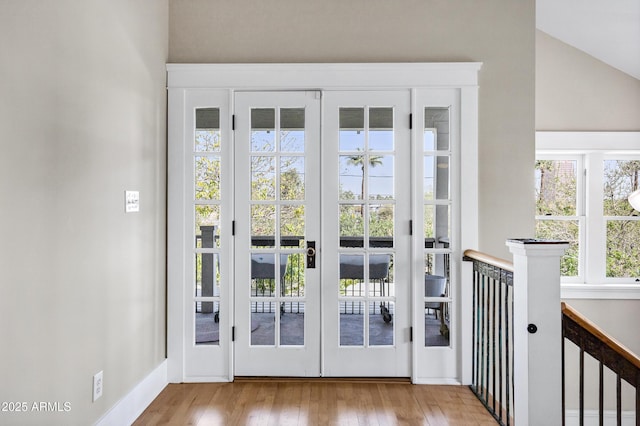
(556, 196)
(556, 188)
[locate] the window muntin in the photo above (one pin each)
(606, 226)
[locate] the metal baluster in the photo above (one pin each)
(581, 386)
(508, 350)
(474, 320)
(563, 373)
(482, 342)
(619, 399)
(493, 342)
(500, 353)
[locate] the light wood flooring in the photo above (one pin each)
(284, 402)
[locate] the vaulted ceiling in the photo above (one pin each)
(608, 30)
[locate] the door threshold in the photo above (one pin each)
(386, 380)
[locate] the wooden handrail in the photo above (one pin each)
(488, 259)
(602, 336)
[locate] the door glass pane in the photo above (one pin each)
(207, 275)
(292, 130)
(436, 122)
(380, 168)
(292, 323)
(436, 177)
(443, 223)
(436, 323)
(263, 178)
(207, 323)
(442, 178)
(352, 275)
(351, 225)
(207, 229)
(429, 188)
(437, 222)
(351, 129)
(429, 139)
(292, 178)
(292, 280)
(292, 225)
(263, 274)
(207, 130)
(263, 225)
(381, 275)
(207, 178)
(381, 315)
(381, 129)
(263, 123)
(263, 320)
(381, 223)
(436, 264)
(351, 177)
(351, 323)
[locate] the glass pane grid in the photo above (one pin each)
(207, 201)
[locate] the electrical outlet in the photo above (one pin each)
(97, 386)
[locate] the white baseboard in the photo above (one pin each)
(436, 381)
(591, 418)
(129, 408)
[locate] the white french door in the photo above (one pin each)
(319, 233)
(322, 256)
(366, 240)
(277, 289)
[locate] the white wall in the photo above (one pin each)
(499, 33)
(82, 119)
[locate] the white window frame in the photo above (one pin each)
(591, 149)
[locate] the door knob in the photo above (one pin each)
(311, 254)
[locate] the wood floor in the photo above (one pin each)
(315, 402)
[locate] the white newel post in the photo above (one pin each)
(537, 331)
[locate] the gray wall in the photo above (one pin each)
(82, 119)
(499, 33)
(577, 92)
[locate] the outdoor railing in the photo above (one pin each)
(608, 352)
(492, 331)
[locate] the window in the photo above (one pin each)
(582, 184)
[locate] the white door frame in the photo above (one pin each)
(221, 80)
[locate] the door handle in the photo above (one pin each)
(311, 254)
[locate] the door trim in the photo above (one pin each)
(220, 80)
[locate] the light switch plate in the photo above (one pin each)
(131, 201)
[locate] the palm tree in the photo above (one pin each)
(359, 160)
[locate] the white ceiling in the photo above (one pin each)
(608, 30)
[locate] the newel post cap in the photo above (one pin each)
(537, 247)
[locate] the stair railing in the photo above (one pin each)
(609, 353)
(492, 334)
(514, 361)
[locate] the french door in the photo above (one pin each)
(277, 286)
(322, 242)
(320, 232)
